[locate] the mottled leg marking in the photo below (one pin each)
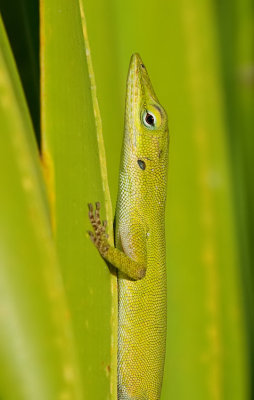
(117, 258)
(99, 236)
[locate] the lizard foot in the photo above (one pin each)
(99, 236)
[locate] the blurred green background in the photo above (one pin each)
(58, 300)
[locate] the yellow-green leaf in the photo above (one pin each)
(73, 172)
(36, 344)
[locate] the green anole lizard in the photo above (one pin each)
(139, 255)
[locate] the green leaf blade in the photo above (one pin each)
(71, 155)
(36, 348)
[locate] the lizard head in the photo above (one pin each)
(145, 118)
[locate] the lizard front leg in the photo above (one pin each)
(117, 258)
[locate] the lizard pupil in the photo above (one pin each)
(149, 119)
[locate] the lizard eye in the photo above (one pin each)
(149, 119)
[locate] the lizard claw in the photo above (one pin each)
(97, 210)
(91, 235)
(90, 212)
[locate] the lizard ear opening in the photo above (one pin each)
(142, 164)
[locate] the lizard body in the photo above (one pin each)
(140, 255)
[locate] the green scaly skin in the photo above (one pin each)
(139, 255)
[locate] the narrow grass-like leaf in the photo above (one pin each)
(235, 23)
(108, 205)
(72, 167)
(103, 37)
(36, 344)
